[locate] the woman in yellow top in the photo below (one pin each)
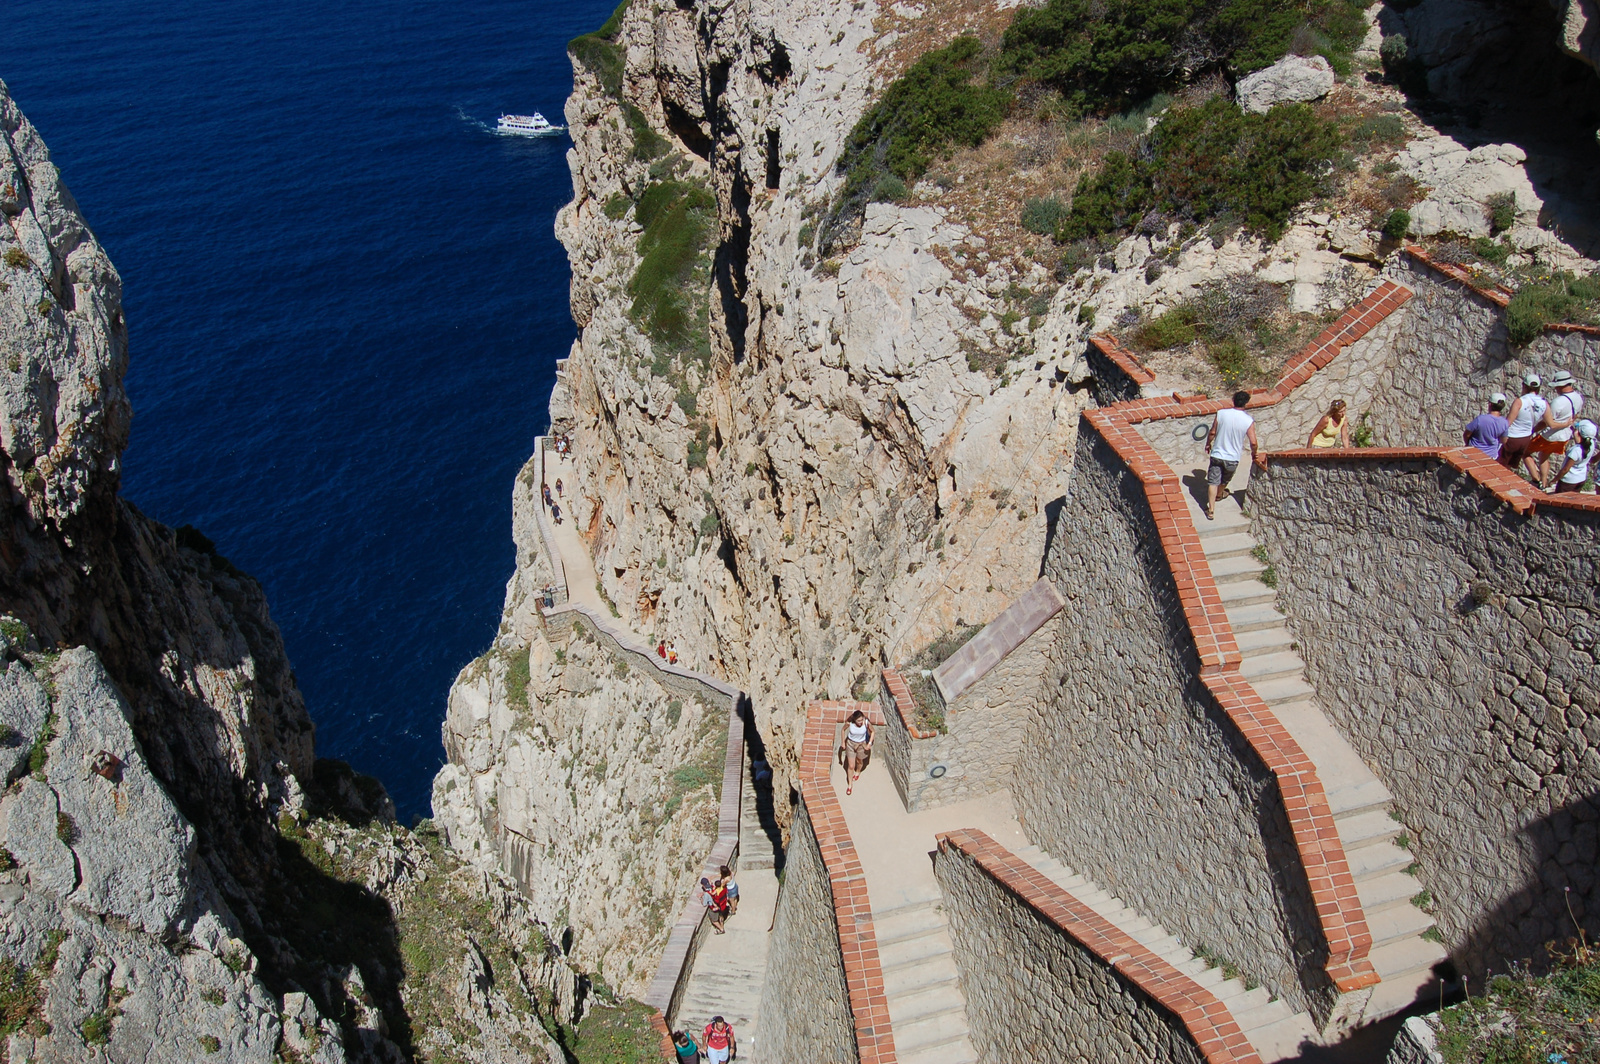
(1333, 428)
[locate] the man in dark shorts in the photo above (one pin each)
(1230, 430)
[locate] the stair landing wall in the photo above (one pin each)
(805, 1003)
(1047, 980)
(1481, 715)
(1134, 774)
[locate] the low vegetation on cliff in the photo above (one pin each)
(1094, 60)
(1526, 1019)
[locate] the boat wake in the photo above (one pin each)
(473, 123)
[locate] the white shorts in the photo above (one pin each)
(717, 1056)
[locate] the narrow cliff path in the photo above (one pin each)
(729, 970)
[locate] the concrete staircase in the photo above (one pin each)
(1360, 803)
(730, 970)
(1276, 1032)
(926, 1006)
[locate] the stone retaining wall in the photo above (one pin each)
(1134, 774)
(1451, 631)
(805, 1003)
(1452, 353)
(1047, 978)
(1414, 1043)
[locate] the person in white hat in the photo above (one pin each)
(1527, 410)
(1488, 430)
(1557, 429)
(1574, 471)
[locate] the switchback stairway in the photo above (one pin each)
(1358, 800)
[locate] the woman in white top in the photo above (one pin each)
(1556, 432)
(1527, 411)
(857, 748)
(1575, 469)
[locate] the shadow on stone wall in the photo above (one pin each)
(1558, 901)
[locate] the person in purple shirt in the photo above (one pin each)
(1488, 430)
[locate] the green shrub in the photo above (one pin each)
(1397, 224)
(617, 206)
(1233, 361)
(210, 1043)
(599, 55)
(1172, 329)
(1502, 211)
(518, 676)
(1102, 56)
(1043, 216)
(1378, 131)
(1533, 307)
(678, 222)
(889, 189)
(66, 829)
(1207, 162)
(647, 143)
(1490, 251)
(40, 753)
(17, 259)
(699, 448)
(709, 524)
(96, 1028)
(1524, 1017)
(934, 106)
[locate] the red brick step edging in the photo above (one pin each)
(858, 941)
(1209, 1022)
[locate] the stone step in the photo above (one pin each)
(1254, 618)
(1377, 860)
(1271, 665)
(1366, 828)
(907, 921)
(1238, 567)
(927, 1001)
(1228, 545)
(920, 949)
(1229, 520)
(1354, 797)
(1283, 1039)
(1283, 689)
(1262, 1015)
(1396, 923)
(936, 1029)
(936, 971)
(1241, 1001)
(1245, 593)
(950, 1051)
(1267, 639)
(1407, 970)
(1380, 892)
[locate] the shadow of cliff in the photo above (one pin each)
(761, 784)
(1555, 903)
(1496, 74)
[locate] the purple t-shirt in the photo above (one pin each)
(1486, 432)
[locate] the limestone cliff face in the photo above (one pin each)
(842, 486)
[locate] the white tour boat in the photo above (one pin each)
(533, 125)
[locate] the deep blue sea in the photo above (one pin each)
(344, 304)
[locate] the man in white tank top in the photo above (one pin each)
(1527, 410)
(1230, 431)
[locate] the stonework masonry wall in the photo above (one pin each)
(1452, 353)
(1481, 715)
(985, 728)
(1132, 774)
(805, 1003)
(1029, 985)
(1356, 375)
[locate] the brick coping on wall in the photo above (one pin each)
(1305, 800)
(1209, 1022)
(1016, 624)
(858, 941)
(901, 691)
(1497, 294)
(683, 942)
(1502, 483)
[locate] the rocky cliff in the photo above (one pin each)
(180, 877)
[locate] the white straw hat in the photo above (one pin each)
(1562, 379)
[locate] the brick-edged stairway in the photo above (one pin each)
(1357, 799)
(926, 1006)
(730, 970)
(1274, 1031)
